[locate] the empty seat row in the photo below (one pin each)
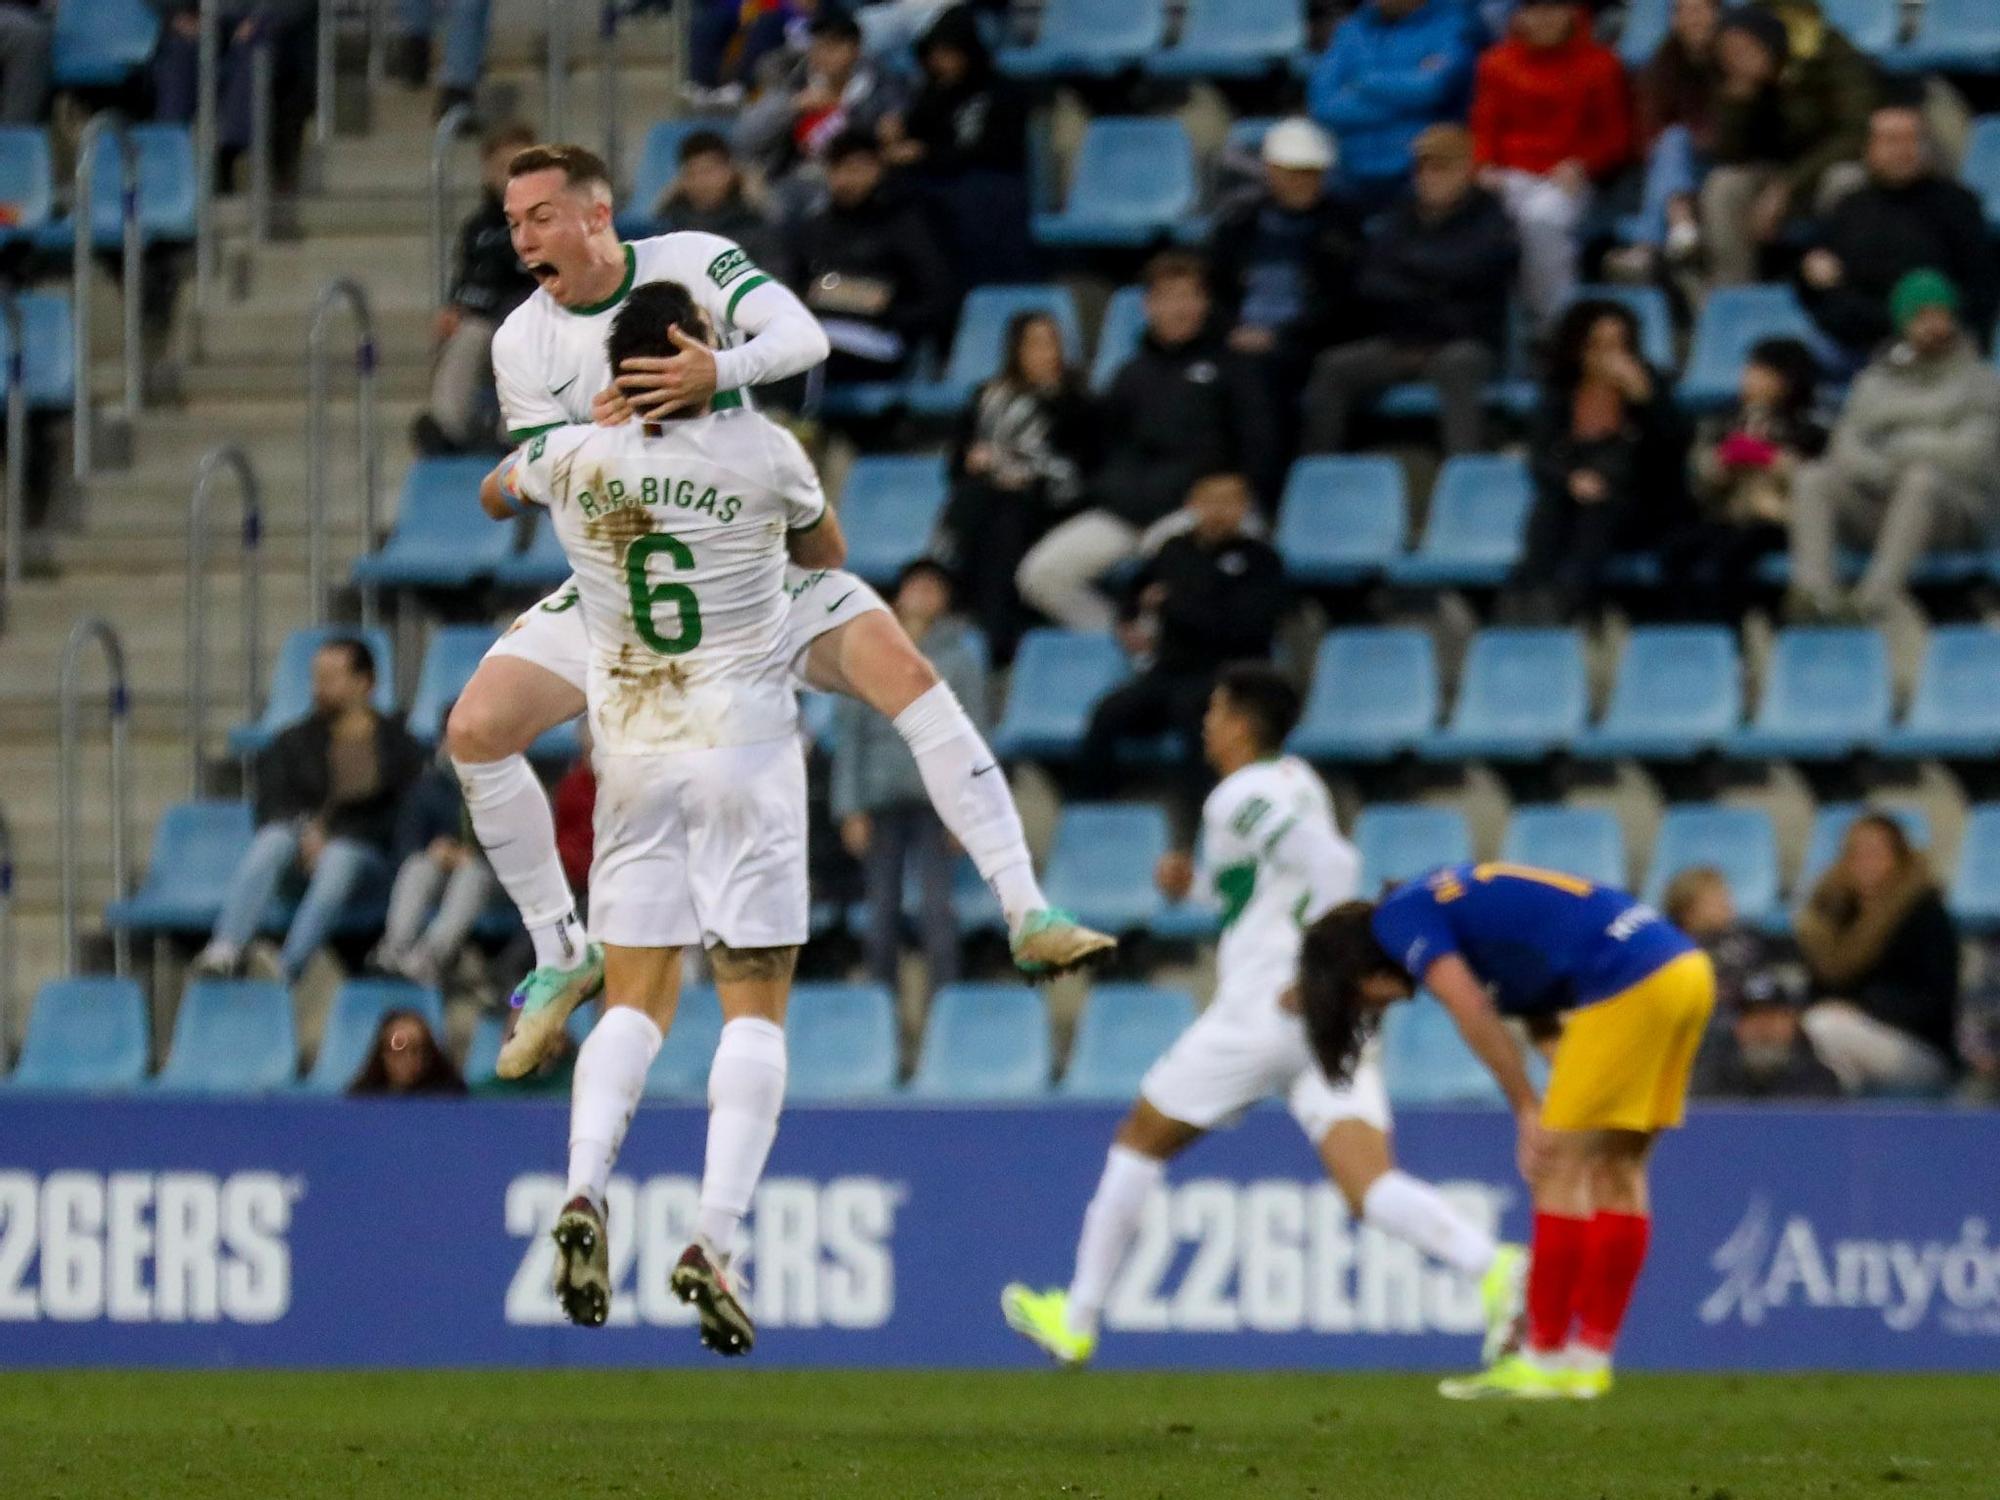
(165, 206)
(1217, 39)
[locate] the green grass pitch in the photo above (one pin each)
(731, 1432)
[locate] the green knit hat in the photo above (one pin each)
(1917, 291)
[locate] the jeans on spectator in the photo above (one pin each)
(1673, 170)
(1350, 374)
(467, 25)
(343, 865)
(1153, 703)
(1921, 508)
(1547, 217)
(1865, 1053)
(24, 65)
(909, 837)
(431, 910)
(462, 382)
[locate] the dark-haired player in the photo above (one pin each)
(1274, 859)
(1633, 993)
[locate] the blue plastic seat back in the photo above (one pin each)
(166, 185)
(842, 1042)
(1677, 680)
(1523, 685)
(98, 43)
(232, 1036)
(1583, 841)
(440, 503)
(358, 1008)
(1975, 885)
(1058, 677)
(1829, 831)
(1738, 841)
(1656, 319)
(1374, 692)
(1426, 1061)
(1870, 24)
(1101, 864)
(660, 159)
(87, 1033)
(680, 1070)
(1095, 35)
(196, 849)
(1980, 170)
(453, 655)
(487, 1035)
(980, 344)
(1733, 320)
(27, 181)
(291, 681)
(1827, 681)
(1645, 26)
(1957, 34)
(889, 509)
(1478, 511)
(1123, 1030)
(1341, 519)
(1118, 335)
(48, 373)
(984, 1041)
(1137, 173)
(1242, 28)
(1401, 840)
(1958, 688)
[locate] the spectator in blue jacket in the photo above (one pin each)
(1394, 68)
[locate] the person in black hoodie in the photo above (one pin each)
(869, 268)
(707, 195)
(1210, 596)
(1433, 281)
(328, 789)
(1183, 406)
(1909, 217)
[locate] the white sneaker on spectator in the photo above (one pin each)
(1683, 241)
(217, 961)
(421, 968)
(260, 961)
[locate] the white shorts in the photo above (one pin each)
(550, 633)
(1232, 1057)
(701, 846)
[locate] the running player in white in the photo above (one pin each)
(550, 367)
(1274, 859)
(679, 533)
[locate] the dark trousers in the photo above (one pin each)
(1154, 702)
(1709, 570)
(986, 532)
(1568, 546)
(1350, 375)
(909, 837)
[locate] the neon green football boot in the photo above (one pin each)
(544, 1001)
(1502, 1293)
(1042, 1318)
(1588, 1375)
(1517, 1377)
(1050, 942)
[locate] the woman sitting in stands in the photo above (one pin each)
(406, 1059)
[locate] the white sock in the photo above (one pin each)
(969, 790)
(610, 1076)
(746, 1091)
(1109, 1225)
(1399, 1204)
(511, 819)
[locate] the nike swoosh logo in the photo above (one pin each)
(989, 766)
(557, 390)
(840, 601)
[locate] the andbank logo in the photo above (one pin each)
(1767, 1266)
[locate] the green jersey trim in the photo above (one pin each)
(738, 295)
(522, 434)
(624, 288)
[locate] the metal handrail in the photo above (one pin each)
(555, 102)
(84, 219)
(6, 938)
(13, 508)
(92, 628)
(608, 80)
(263, 82)
(230, 460)
(449, 128)
(334, 292)
(323, 45)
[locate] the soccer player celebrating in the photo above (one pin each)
(1633, 994)
(550, 366)
(1273, 856)
(679, 533)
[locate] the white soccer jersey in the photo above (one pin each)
(676, 533)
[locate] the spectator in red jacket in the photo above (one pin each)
(1550, 118)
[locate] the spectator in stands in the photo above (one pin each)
(1608, 452)
(1394, 68)
(885, 816)
(1433, 287)
(1211, 595)
(287, 27)
(467, 25)
(1791, 118)
(489, 283)
(1550, 119)
(406, 1059)
(1183, 406)
(1024, 445)
(830, 92)
(1744, 466)
(1906, 217)
(1913, 461)
(1882, 952)
(707, 195)
(1674, 108)
(26, 31)
(869, 267)
(442, 884)
(327, 793)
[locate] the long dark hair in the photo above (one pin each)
(441, 1077)
(1564, 358)
(1017, 333)
(1340, 951)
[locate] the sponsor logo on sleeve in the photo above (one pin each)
(731, 265)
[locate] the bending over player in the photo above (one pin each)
(1495, 940)
(1275, 859)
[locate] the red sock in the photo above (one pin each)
(1555, 1271)
(1615, 1249)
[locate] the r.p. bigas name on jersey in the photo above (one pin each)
(676, 533)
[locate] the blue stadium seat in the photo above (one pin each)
(1679, 692)
(659, 165)
(1101, 864)
(1426, 1061)
(1122, 1031)
(979, 345)
(49, 372)
(358, 1008)
(1739, 841)
(1374, 695)
(101, 43)
(1732, 320)
(1956, 709)
(196, 848)
(1401, 840)
(1094, 38)
(1133, 183)
(484, 1052)
(1524, 694)
(291, 683)
(1975, 886)
(442, 538)
(842, 1042)
(1233, 39)
(1341, 519)
(1478, 514)
(1829, 827)
(453, 655)
(539, 566)
(166, 191)
(1118, 335)
(1646, 25)
(232, 1036)
(1869, 24)
(984, 1041)
(87, 1033)
(888, 509)
(1582, 841)
(1953, 36)
(27, 185)
(1826, 695)
(680, 1070)
(1058, 677)
(1980, 169)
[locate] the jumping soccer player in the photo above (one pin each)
(1272, 855)
(1633, 993)
(550, 367)
(679, 532)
